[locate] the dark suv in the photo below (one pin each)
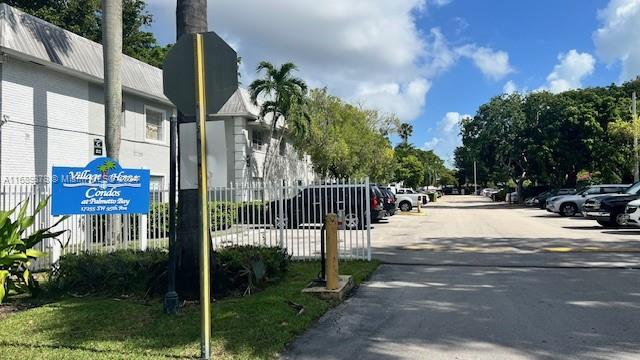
(608, 210)
(389, 201)
(312, 204)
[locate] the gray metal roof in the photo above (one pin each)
(26, 35)
(239, 104)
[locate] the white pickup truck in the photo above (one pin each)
(407, 198)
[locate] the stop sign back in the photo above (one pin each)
(221, 73)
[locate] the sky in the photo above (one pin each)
(430, 62)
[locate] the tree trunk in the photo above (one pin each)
(112, 54)
(112, 59)
(265, 165)
(572, 178)
(191, 17)
(520, 189)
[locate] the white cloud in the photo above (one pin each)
(617, 39)
(569, 72)
(450, 122)
(493, 64)
(448, 136)
(431, 144)
(441, 2)
(366, 51)
(406, 102)
(509, 87)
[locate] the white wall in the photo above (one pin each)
(135, 150)
(290, 166)
(47, 120)
(53, 118)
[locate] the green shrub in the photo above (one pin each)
(251, 212)
(122, 272)
(100, 226)
(236, 270)
(16, 248)
(158, 220)
(251, 267)
(222, 214)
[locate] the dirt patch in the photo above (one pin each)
(9, 309)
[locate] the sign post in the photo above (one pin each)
(200, 74)
(201, 135)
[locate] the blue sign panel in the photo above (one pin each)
(102, 187)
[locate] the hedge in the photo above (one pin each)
(238, 270)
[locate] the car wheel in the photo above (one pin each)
(607, 224)
(568, 209)
(405, 206)
(621, 220)
(286, 223)
(352, 221)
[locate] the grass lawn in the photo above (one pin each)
(256, 326)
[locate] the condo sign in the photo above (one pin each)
(102, 187)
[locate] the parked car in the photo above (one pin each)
(389, 203)
(512, 197)
(632, 214)
(500, 195)
(541, 200)
(488, 191)
(609, 210)
(571, 205)
(311, 205)
(407, 199)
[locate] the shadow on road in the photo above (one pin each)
(482, 313)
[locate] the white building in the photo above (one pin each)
(52, 112)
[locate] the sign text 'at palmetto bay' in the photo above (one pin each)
(101, 187)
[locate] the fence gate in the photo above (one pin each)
(283, 214)
(290, 215)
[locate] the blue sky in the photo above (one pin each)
(430, 61)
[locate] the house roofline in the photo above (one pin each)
(12, 54)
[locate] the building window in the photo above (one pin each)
(154, 120)
(283, 148)
(124, 119)
(258, 140)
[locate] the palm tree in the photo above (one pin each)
(282, 91)
(191, 17)
(112, 53)
(106, 167)
(405, 131)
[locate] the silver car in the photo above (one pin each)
(570, 205)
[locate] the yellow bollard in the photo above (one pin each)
(331, 264)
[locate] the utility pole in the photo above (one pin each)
(636, 162)
(475, 179)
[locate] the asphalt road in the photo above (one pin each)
(468, 279)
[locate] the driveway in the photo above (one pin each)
(469, 279)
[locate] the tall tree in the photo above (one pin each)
(112, 61)
(191, 17)
(281, 92)
(405, 131)
(112, 55)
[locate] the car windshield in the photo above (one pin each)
(634, 189)
(583, 191)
